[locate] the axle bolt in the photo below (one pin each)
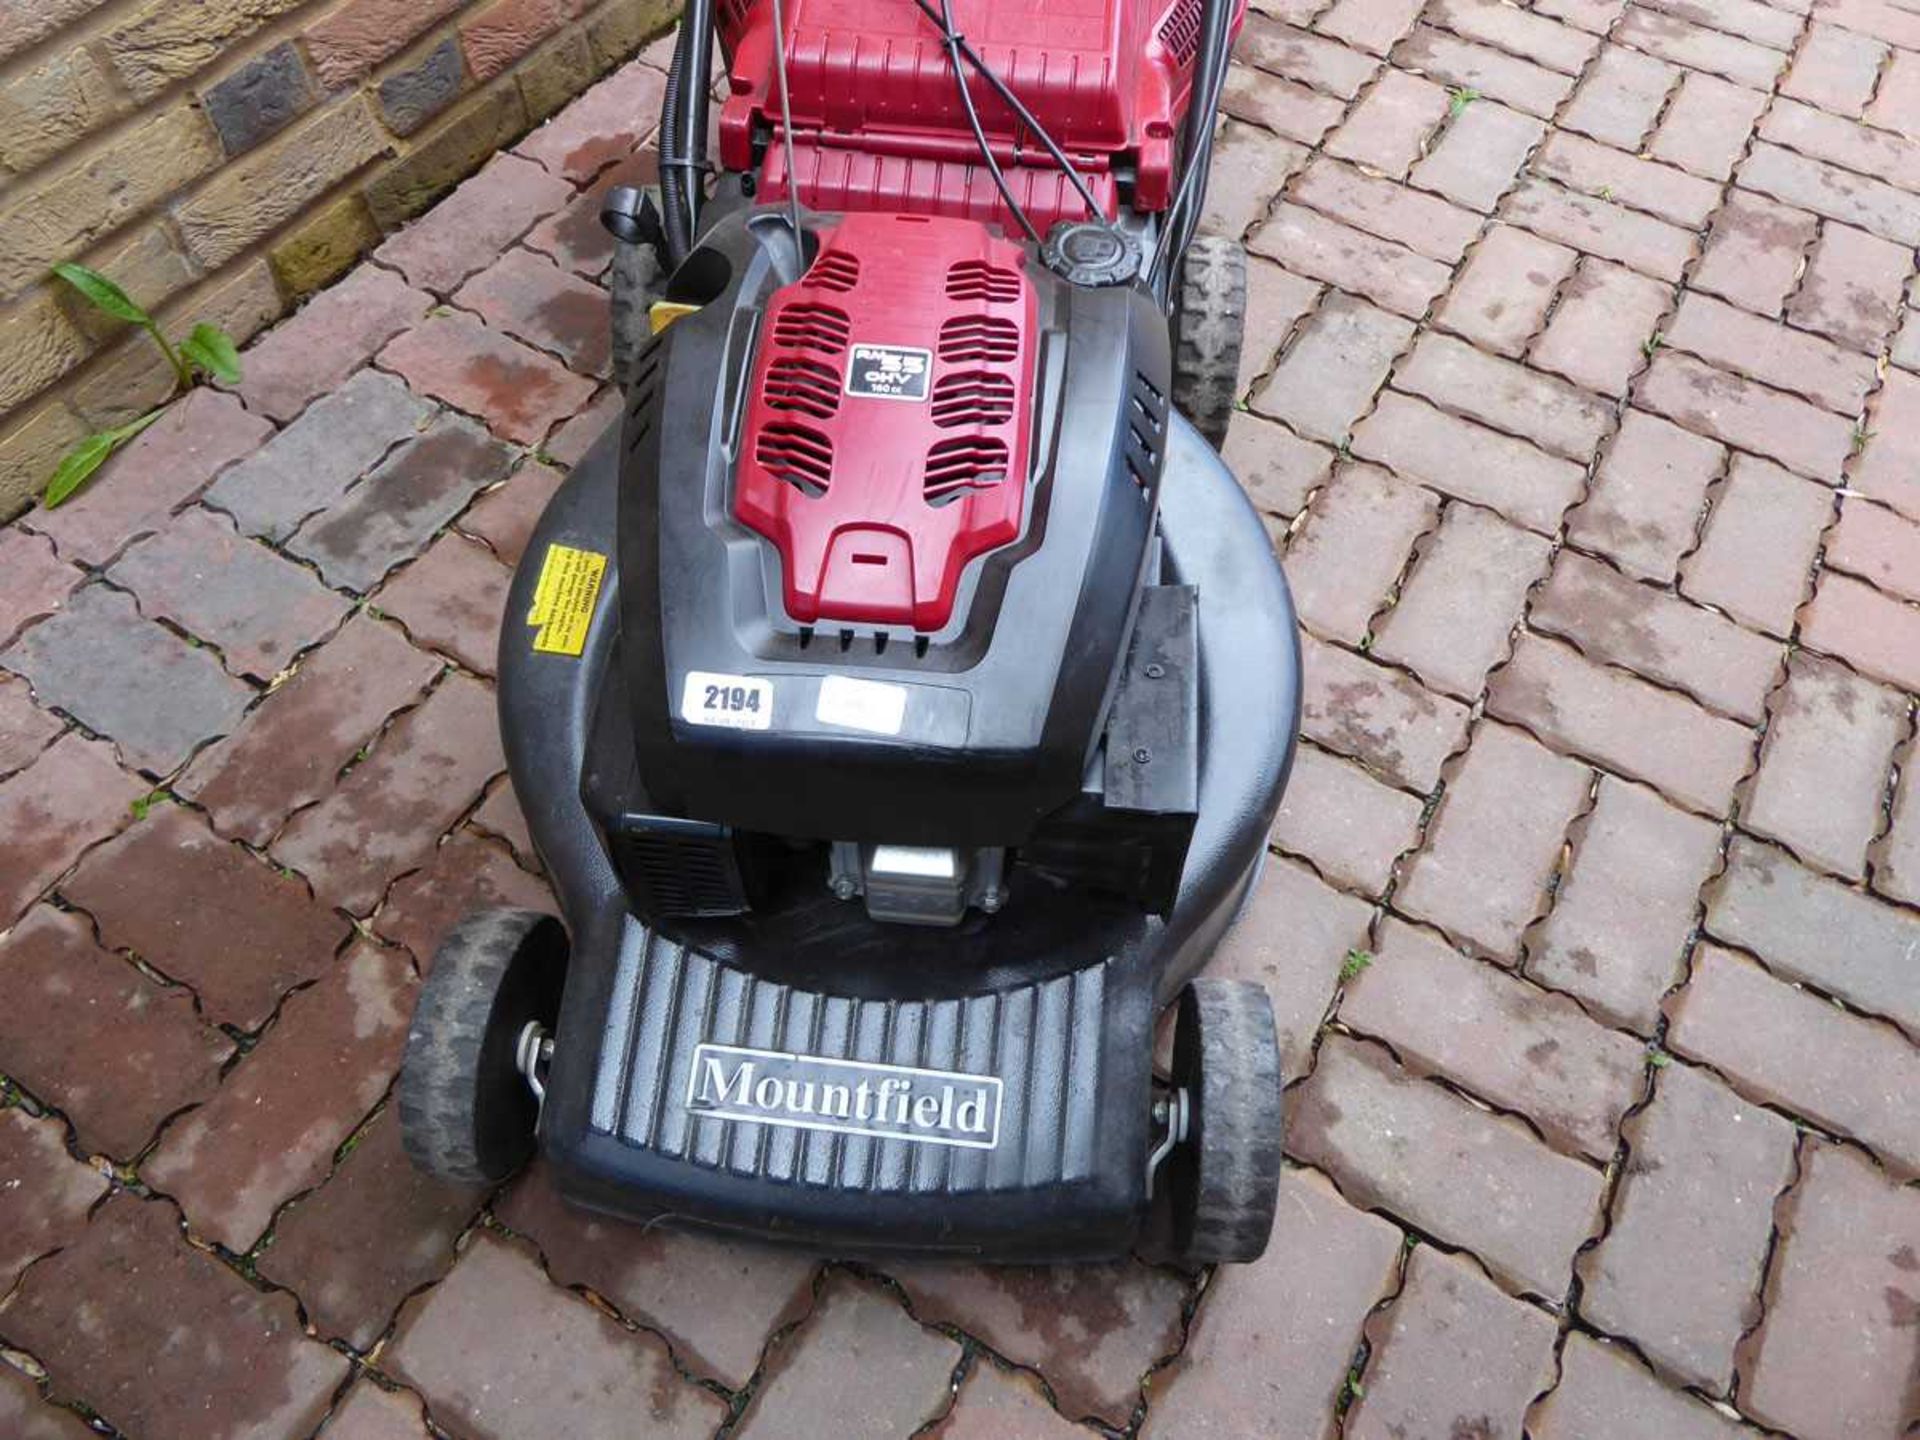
(1156, 670)
(1142, 755)
(843, 887)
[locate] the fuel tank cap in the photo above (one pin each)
(1085, 253)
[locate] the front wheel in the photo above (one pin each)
(1209, 327)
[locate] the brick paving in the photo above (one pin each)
(1582, 400)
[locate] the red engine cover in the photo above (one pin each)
(886, 442)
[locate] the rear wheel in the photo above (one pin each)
(633, 282)
(467, 1112)
(1209, 324)
(1223, 1179)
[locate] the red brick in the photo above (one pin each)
(45, 1195)
(170, 462)
(1873, 17)
(466, 231)
(1623, 724)
(529, 297)
(997, 1404)
(1387, 274)
(272, 1129)
(1352, 546)
(336, 333)
(1758, 548)
(1679, 1271)
(1785, 358)
(1475, 1179)
(1824, 765)
(1847, 1260)
(1469, 462)
(1374, 26)
(574, 236)
(1623, 915)
(1596, 17)
(1853, 287)
(1378, 716)
(25, 729)
(374, 1232)
(499, 815)
(449, 1345)
(521, 393)
(1462, 65)
(601, 128)
(1845, 143)
(1690, 45)
(173, 1345)
(37, 581)
(1275, 1340)
(1833, 192)
(1276, 468)
(1600, 332)
(1615, 175)
(360, 34)
(370, 1413)
(1493, 844)
(462, 875)
(1309, 59)
(1877, 545)
(1451, 1342)
(451, 599)
(1707, 126)
(1388, 130)
(717, 1301)
(1345, 822)
(1647, 496)
(1896, 865)
(1282, 106)
(1337, 361)
(1836, 70)
(1785, 1046)
(1620, 98)
(1504, 292)
(1262, 163)
(1605, 1393)
(1456, 611)
(504, 517)
(1543, 41)
(87, 1032)
(1475, 160)
(1777, 27)
(1754, 251)
(1597, 227)
(1896, 104)
(1423, 224)
(504, 31)
(25, 1416)
(1875, 633)
(422, 776)
(1457, 377)
(1888, 468)
(1277, 300)
(1810, 928)
(72, 797)
(1293, 939)
(1748, 415)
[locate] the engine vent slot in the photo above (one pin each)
(813, 327)
(797, 454)
(836, 270)
(1180, 30)
(1146, 429)
(973, 397)
(976, 280)
(797, 383)
(966, 462)
(975, 338)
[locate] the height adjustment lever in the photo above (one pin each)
(629, 213)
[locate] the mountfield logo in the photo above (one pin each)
(810, 1092)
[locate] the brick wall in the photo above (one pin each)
(222, 159)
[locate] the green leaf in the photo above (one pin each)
(77, 466)
(212, 350)
(1458, 98)
(1356, 961)
(102, 293)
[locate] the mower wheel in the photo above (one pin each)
(1209, 323)
(467, 1113)
(634, 282)
(1224, 1179)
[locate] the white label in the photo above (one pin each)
(853, 1097)
(734, 702)
(889, 372)
(862, 705)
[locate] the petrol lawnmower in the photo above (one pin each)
(901, 694)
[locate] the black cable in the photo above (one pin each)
(1182, 217)
(954, 42)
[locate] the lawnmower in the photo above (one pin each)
(900, 695)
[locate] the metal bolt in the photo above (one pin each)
(991, 901)
(1142, 755)
(1156, 670)
(843, 887)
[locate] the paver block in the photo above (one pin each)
(143, 687)
(206, 913)
(1680, 1269)
(1452, 1345)
(996, 1404)
(1310, 244)
(858, 1365)
(288, 751)
(500, 815)
(1477, 159)
(272, 1129)
(45, 1195)
(1853, 287)
(370, 1413)
(374, 1232)
(1378, 716)
(1481, 1181)
(574, 237)
(1594, 169)
(1329, 374)
(1503, 295)
(1605, 322)
(717, 1301)
(1560, 419)
(462, 875)
(1617, 935)
(1606, 1394)
(176, 1346)
(520, 392)
(36, 581)
(1742, 413)
(1784, 358)
(1754, 251)
(1647, 495)
(1423, 223)
(1879, 546)
(395, 512)
(25, 1416)
(485, 1344)
(1888, 468)
(333, 335)
(25, 729)
(532, 299)
(1877, 634)
(71, 797)
(1269, 1348)
(1344, 559)
(1857, 200)
(505, 516)
(1756, 553)
(425, 772)
(1459, 458)
(1290, 110)
(601, 128)
(1277, 469)
(1348, 824)
(1495, 840)
(451, 599)
(1299, 55)
(1462, 65)
(1896, 866)
(258, 608)
(1707, 126)
(311, 464)
(1539, 39)
(465, 231)
(1620, 97)
(1699, 48)
(1599, 227)
(1388, 129)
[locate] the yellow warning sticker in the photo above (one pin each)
(563, 601)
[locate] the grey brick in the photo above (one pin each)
(411, 97)
(259, 98)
